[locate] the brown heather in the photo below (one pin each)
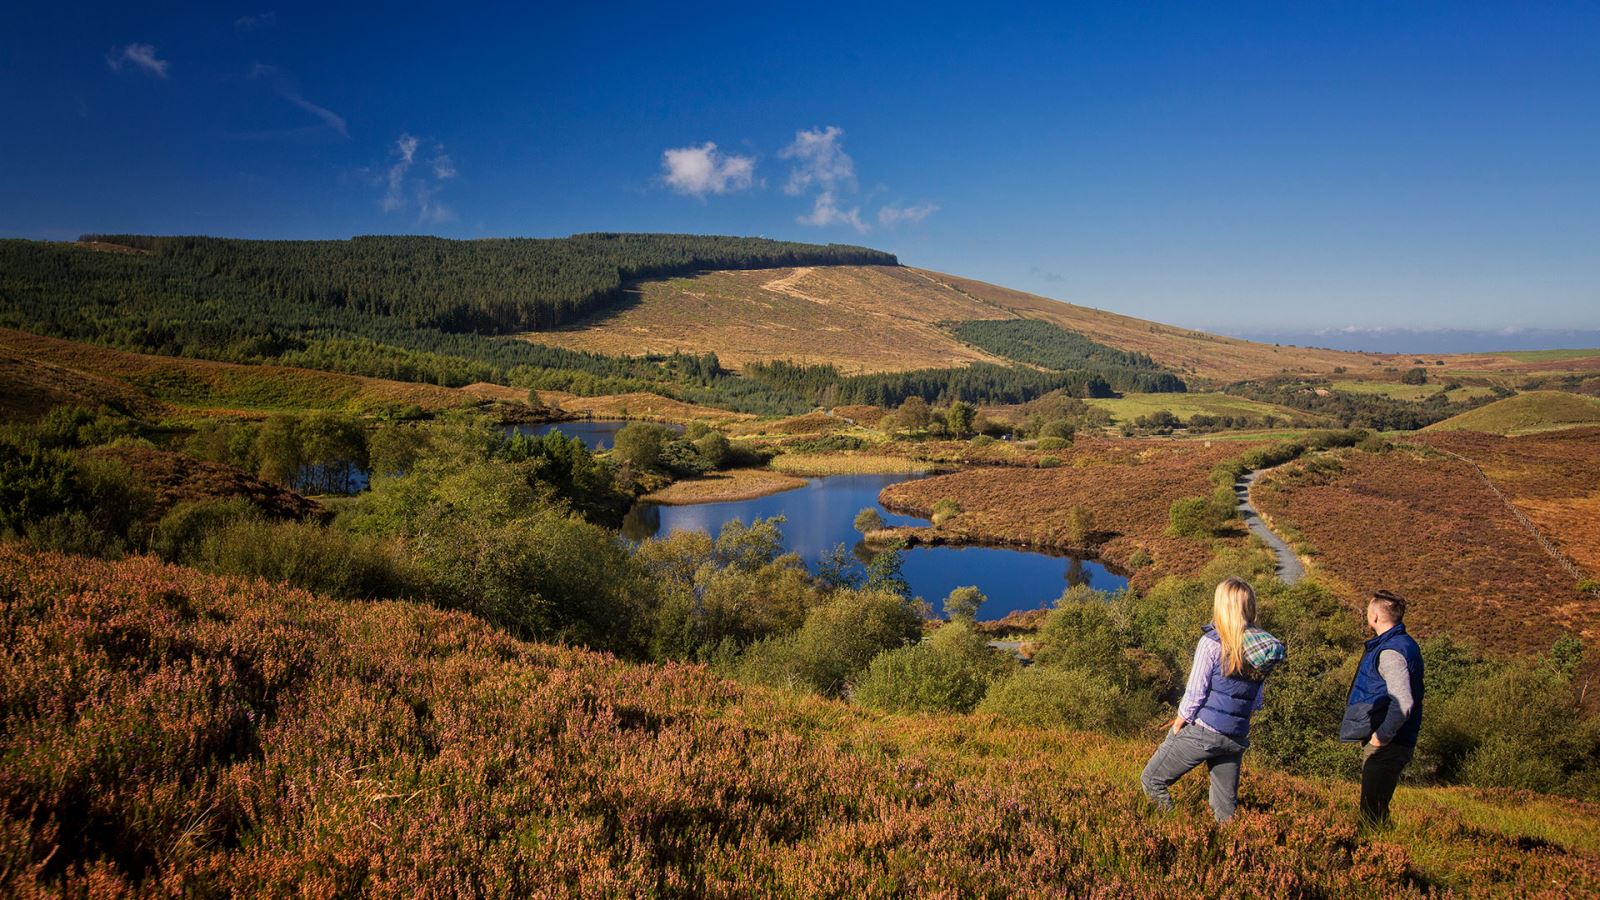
(1005, 498)
(167, 732)
(1428, 526)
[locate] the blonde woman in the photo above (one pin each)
(1231, 662)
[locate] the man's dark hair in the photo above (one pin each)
(1394, 605)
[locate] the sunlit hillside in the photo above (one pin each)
(890, 318)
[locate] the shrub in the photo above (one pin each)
(944, 510)
(305, 555)
(1051, 443)
(1140, 559)
(1047, 697)
(1417, 375)
(963, 603)
(1056, 430)
(713, 447)
(1195, 517)
(683, 459)
(1080, 526)
(185, 527)
(639, 444)
(1049, 462)
(837, 641)
(949, 672)
(982, 440)
(867, 520)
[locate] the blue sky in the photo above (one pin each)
(1256, 167)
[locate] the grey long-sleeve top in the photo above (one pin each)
(1397, 680)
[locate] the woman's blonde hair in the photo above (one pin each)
(1232, 610)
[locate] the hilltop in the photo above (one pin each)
(1527, 413)
(890, 319)
(172, 732)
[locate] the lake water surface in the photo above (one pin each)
(599, 434)
(821, 515)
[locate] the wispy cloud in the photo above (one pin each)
(284, 84)
(891, 216)
(139, 56)
(700, 170)
(819, 160)
(402, 189)
(257, 22)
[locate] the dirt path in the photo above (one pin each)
(1290, 569)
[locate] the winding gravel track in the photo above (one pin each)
(1289, 568)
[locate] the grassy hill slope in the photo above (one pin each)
(883, 319)
(38, 372)
(1526, 413)
(172, 732)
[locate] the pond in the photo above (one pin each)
(599, 434)
(821, 515)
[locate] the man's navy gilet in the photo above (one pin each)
(1369, 695)
(1230, 701)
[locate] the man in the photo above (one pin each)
(1385, 706)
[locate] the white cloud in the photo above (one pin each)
(256, 22)
(825, 210)
(698, 171)
(142, 56)
(403, 190)
(820, 161)
(890, 216)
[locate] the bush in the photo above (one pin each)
(1417, 375)
(1049, 462)
(714, 448)
(185, 527)
(835, 644)
(1056, 430)
(949, 672)
(1140, 559)
(1080, 526)
(963, 603)
(1046, 697)
(639, 444)
(1051, 443)
(868, 520)
(944, 510)
(323, 560)
(1196, 517)
(982, 440)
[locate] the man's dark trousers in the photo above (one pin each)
(1380, 773)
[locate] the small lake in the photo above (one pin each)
(821, 515)
(599, 434)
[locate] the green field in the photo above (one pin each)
(1130, 406)
(1526, 413)
(1546, 355)
(1397, 391)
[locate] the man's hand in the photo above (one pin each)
(1177, 724)
(1374, 741)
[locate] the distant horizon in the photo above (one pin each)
(1352, 337)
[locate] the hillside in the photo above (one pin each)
(1526, 413)
(38, 372)
(167, 732)
(884, 319)
(1430, 527)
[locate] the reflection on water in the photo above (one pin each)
(599, 434)
(821, 515)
